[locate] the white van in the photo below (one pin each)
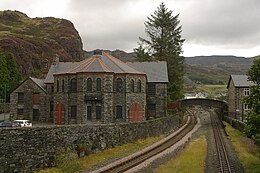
(23, 123)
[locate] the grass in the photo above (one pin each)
(185, 162)
(212, 89)
(248, 152)
(77, 165)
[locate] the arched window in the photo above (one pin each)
(119, 112)
(98, 112)
(73, 85)
(89, 84)
(132, 86)
(119, 85)
(139, 86)
(58, 85)
(62, 85)
(51, 110)
(98, 84)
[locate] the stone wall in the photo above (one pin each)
(239, 125)
(29, 149)
(159, 99)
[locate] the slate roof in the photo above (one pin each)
(92, 64)
(97, 63)
(155, 71)
(240, 81)
(39, 82)
(118, 66)
(60, 67)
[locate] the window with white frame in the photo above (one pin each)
(246, 91)
(247, 106)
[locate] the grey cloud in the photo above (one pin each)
(117, 36)
(233, 23)
(107, 24)
(222, 23)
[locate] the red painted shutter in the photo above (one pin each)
(135, 112)
(59, 113)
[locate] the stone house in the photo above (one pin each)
(28, 100)
(238, 88)
(99, 89)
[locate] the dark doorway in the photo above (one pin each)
(36, 114)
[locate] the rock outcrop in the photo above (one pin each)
(34, 42)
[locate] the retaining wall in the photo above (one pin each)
(29, 149)
(239, 125)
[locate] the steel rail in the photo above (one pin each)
(224, 163)
(139, 158)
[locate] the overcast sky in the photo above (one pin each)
(210, 27)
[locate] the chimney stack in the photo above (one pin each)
(56, 60)
(97, 52)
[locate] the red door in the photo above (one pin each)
(135, 113)
(59, 114)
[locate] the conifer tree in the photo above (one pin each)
(164, 44)
(10, 77)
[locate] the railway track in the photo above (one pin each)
(131, 162)
(225, 165)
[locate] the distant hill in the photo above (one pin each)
(34, 42)
(120, 54)
(215, 69)
(201, 69)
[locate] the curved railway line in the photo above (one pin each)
(131, 162)
(225, 166)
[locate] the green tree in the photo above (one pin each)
(253, 118)
(164, 44)
(141, 54)
(10, 77)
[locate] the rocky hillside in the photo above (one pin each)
(215, 69)
(34, 42)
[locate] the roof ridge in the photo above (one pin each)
(37, 82)
(135, 69)
(86, 62)
(104, 65)
(87, 66)
(112, 59)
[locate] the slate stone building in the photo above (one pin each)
(99, 89)
(238, 88)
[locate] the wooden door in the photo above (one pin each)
(135, 112)
(59, 113)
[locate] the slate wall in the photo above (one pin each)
(29, 149)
